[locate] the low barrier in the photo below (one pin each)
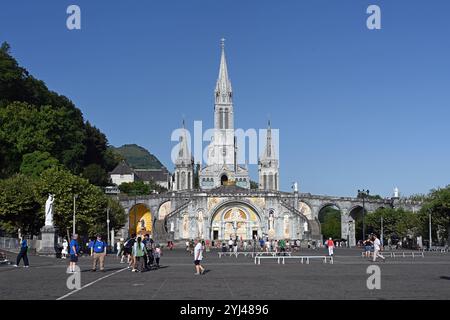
(281, 259)
(394, 254)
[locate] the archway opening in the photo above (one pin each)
(330, 221)
(357, 215)
(140, 220)
(223, 179)
(235, 220)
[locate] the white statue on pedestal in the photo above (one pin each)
(200, 224)
(295, 186)
(271, 221)
(49, 210)
(305, 226)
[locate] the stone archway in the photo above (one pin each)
(355, 221)
(140, 220)
(330, 218)
(223, 179)
(235, 219)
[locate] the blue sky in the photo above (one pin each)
(355, 108)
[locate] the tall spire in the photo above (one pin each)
(269, 150)
(184, 155)
(223, 90)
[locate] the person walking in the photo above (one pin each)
(73, 251)
(377, 249)
(128, 250)
(119, 248)
(230, 245)
(157, 254)
(23, 254)
(138, 252)
(198, 257)
(65, 250)
(330, 246)
(99, 253)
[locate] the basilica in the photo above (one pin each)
(224, 205)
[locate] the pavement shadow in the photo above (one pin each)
(445, 278)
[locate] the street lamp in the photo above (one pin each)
(429, 229)
(363, 194)
(75, 196)
(107, 224)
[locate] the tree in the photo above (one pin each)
(95, 174)
(33, 164)
(137, 188)
(330, 219)
(19, 208)
(397, 223)
(91, 202)
(438, 204)
(253, 185)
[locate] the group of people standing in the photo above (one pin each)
(142, 253)
(372, 247)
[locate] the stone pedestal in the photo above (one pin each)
(48, 241)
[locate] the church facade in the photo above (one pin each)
(224, 206)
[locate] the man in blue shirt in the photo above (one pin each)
(23, 254)
(74, 249)
(99, 248)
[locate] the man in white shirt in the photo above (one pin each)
(377, 248)
(198, 257)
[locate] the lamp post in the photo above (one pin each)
(75, 196)
(107, 225)
(382, 233)
(363, 194)
(429, 229)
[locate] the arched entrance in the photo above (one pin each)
(223, 179)
(356, 215)
(330, 221)
(235, 220)
(140, 220)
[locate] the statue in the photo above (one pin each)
(295, 186)
(49, 210)
(271, 221)
(172, 226)
(305, 226)
(200, 224)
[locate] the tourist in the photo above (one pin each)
(65, 250)
(90, 246)
(230, 244)
(23, 254)
(224, 247)
(99, 253)
(74, 249)
(119, 248)
(282, 245)
(191, 247)
(207, 245)
(330, 245)
(261, 244)
(244, 245)
(148, 247)
(377, 249)
(128, 248)
(157, 254)
(235, 245)
(367, 246)
(138, 253)
(198, 257)
(187, 246)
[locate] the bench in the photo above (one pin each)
(273, 253)
(394, 254)
(245, 253)
(281, 259)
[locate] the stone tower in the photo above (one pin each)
(184, 165)
(268, 165)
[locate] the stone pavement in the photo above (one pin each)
(234, 279)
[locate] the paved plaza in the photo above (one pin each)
(234, 278)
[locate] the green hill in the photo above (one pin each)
(138, 157)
